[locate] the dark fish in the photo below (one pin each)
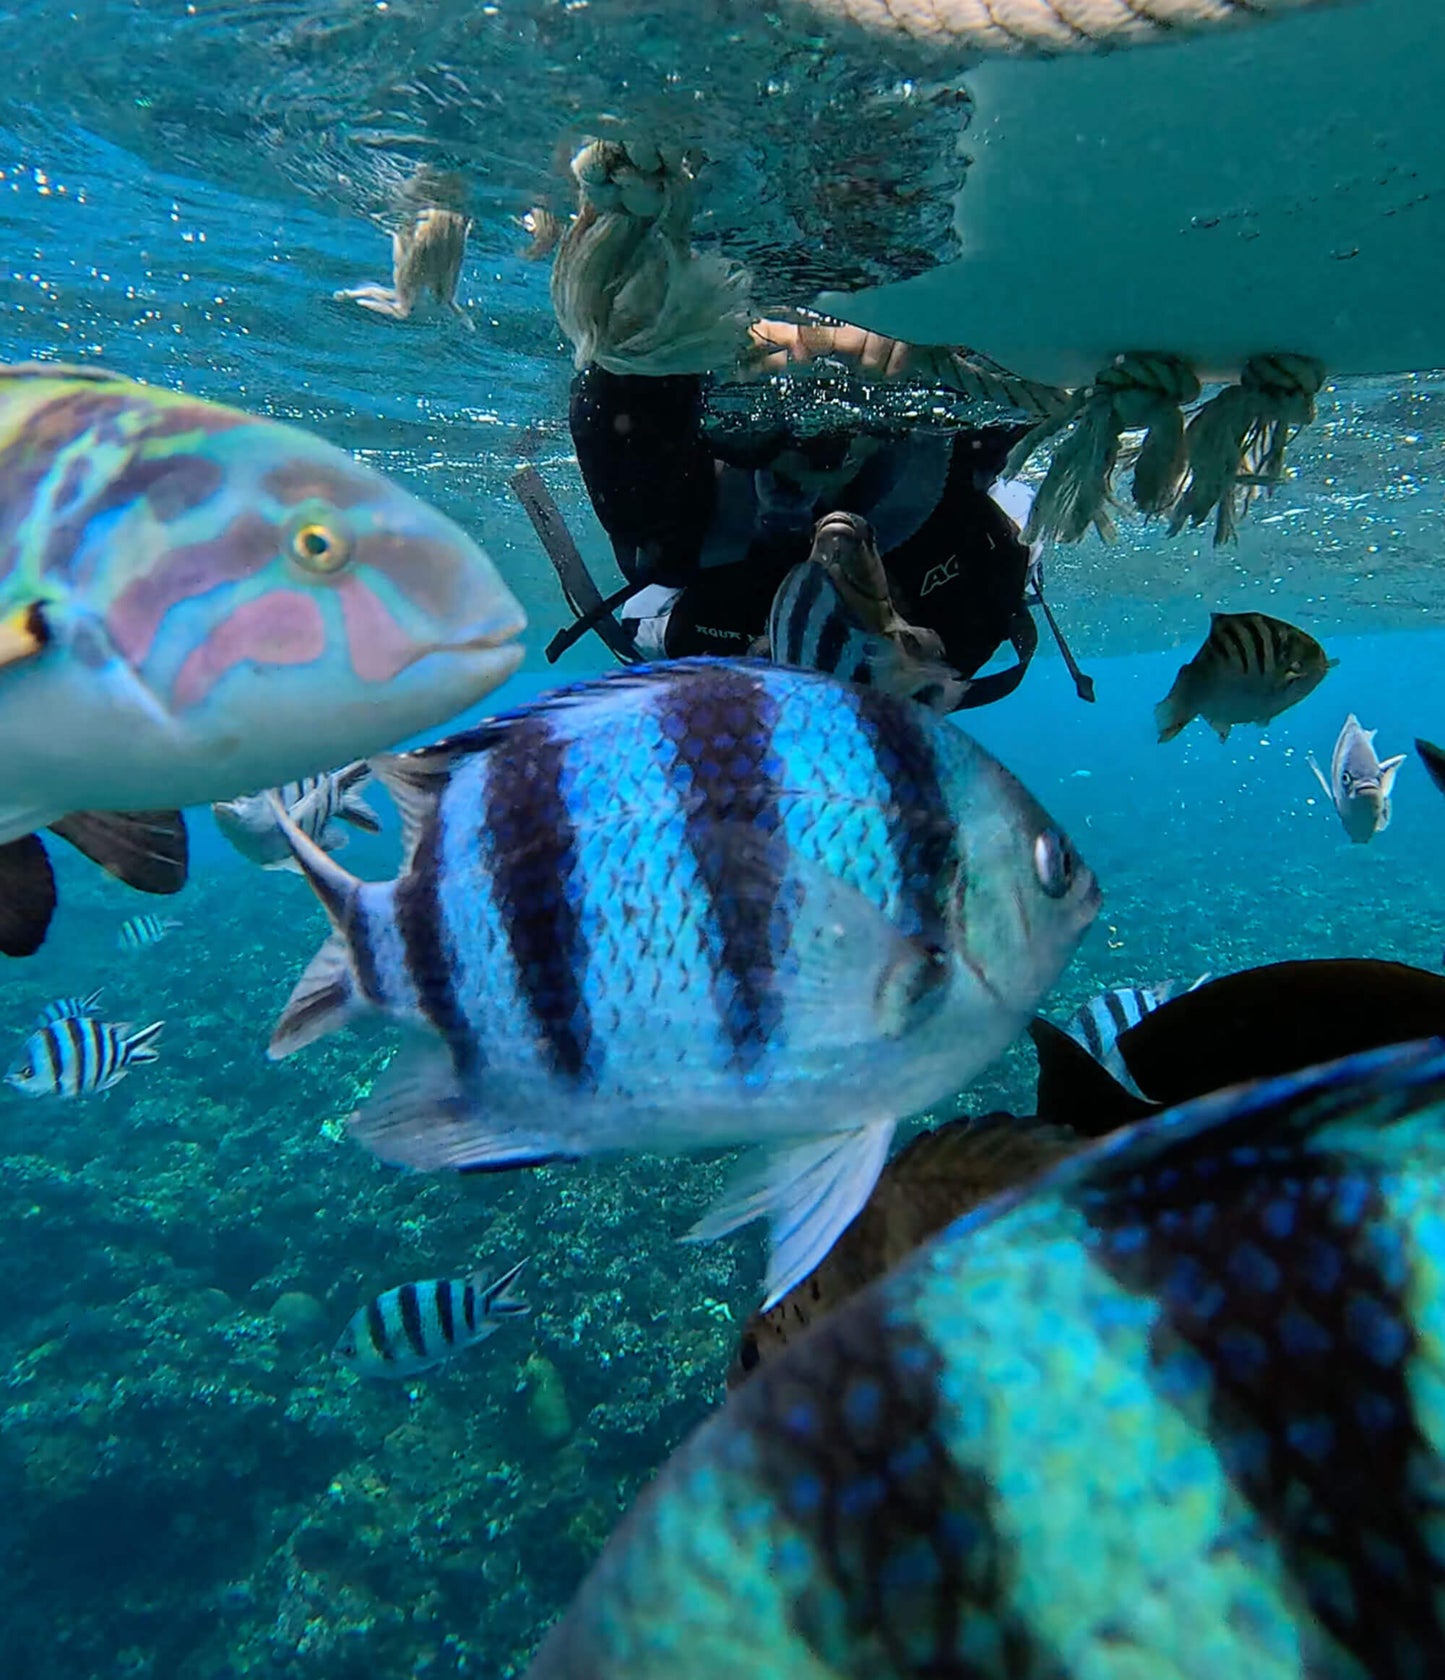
(1253, 1025)
(940, 1175)
(1434, 761)
(702, 903)
(1251, 668)
(1174, 1409)
(834, 613)
(148, 850)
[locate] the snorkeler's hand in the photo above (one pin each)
(775, 344)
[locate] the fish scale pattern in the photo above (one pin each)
(847, 1440)
(1286, 1336)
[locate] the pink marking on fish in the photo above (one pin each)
(245, 547)
(379, 647)
(282, 628)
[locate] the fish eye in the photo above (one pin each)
(319, 546)
(1054, 863)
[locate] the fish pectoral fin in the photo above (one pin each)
(1320, 777)
(419, 1116)
(1389, 769)
(415, 783)
(148, 850)
(323, 999)
(849, 974)
(23, 634)
(27, 896)
(810, 1192)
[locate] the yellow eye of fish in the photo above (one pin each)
(319, 547)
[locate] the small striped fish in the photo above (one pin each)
(1098, 1025)
(316, 804)
(833, 614)
(141, 931)
(78, 1056)
(1251, 668)
(688, 905)
(421, 1325)
(66, 1008)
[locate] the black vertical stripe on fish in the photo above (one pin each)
(807, 592)
(720, 722)
(360, 937)
(469, 1305)
(833, 636)
(444, 1311)
(376, 1331)
(533, 857)
(73, 1054)
(1250, 631)
(418, 915)
(411, 1325)
(1285, 1337)
(847, 1436)
(921, 830)
(1279, 640)
(1117, 1005)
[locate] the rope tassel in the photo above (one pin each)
(1142, 390)
(1236, 442)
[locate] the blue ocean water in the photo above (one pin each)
(188, 1487)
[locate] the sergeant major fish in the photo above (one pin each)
(78, 1055)
(1249, 670)
(195, 602)
(142, 931)
(314, 803)
(417, 1327)
(1096, 1027)
(834, 613)
(1172, 1410)
(696, 904)
(1360, 784)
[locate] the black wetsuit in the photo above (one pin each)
(954, 559)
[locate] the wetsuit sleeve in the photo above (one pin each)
(647, 468)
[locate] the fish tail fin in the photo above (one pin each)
(322, 1000)
(140, 1044)
(1176, 708)
(495, 1296)
(811, 1192)
(27, 896)
(352, 807)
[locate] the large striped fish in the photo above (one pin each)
(195, 603)
(696, 904)
(78, 1055)
(1175, 1410)
(316, 804)
(418, 1326)
(834, 613)
(1250, 669)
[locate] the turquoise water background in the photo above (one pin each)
(188, 1487)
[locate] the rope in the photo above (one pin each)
(1138, 390)
(1236, 441)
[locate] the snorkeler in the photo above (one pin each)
(706, 528)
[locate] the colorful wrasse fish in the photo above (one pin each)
(418, 1326)
(1173, 1409)
(834, 613)
(64, 1008)
(695, 904)
(1250, 669)
(195, 603)
(77, 1056)
(141, 931)
(316, 804)
(1360, 782)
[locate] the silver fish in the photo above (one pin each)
(1250, 669)
(1097, 1026)
(418, 1326)
(702, 903)
(315, 804)
(1360, 783)
(834, 613)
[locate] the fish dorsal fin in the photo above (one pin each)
(334, 886)
(1075, 1090)
(494, 1294)
(415, 782)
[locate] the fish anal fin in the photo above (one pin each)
(323, 999)
(334, 886)
(27, 896)
(810, 1191)
(148, 850)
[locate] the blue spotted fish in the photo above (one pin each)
(704, 903)
(1175, 1410)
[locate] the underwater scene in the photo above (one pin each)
(744, 703)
